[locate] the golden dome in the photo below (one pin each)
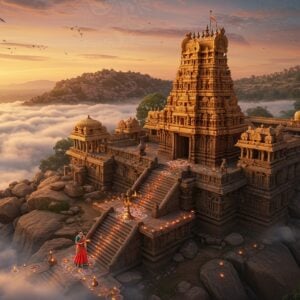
(88, 123)
(297, 116)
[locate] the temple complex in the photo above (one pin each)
(204, 168)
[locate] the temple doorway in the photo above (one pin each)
(183, 144)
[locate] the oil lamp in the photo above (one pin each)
(222, 275)
(95, 282)
(221, 263)
(52, 261)
(240, 252)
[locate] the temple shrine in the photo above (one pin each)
(205, 167)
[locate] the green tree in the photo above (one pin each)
(59, 158)
(258, 111)
(149, 102)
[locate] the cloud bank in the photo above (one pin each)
(28, 134)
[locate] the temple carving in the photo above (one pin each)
(198, 165)
(202, 120)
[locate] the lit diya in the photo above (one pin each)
(222, 275)
(240, 252)
(95, 282)
(52, 261)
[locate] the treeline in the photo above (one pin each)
(279, 85)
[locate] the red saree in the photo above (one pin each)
(80, 258)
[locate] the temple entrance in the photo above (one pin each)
(182, 147)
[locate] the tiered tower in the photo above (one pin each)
(201, 120)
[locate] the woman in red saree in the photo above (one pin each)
(81, 259)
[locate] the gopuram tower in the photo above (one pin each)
(201, 121)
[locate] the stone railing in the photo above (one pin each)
(98, 222)
(117, 153)
(141, 179)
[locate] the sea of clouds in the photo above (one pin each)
(28, 133)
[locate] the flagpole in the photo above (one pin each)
(210, 20)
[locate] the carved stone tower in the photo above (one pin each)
(201, 120)
(270, 175)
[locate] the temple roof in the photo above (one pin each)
(88, 123)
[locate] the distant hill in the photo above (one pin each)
(106, 86)
(279, 85)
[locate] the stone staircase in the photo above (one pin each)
(156, 187)
(109, 238)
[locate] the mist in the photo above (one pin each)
(28, 133)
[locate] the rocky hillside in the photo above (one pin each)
(279, 85)
(106, 86)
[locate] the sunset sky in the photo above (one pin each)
(37, 42)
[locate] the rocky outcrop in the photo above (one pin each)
(6, 232)
(196, 293)
(21, 189)
(73, 190)
(189, 249)
(222, 281)
(33, 229)
(9, 209)
(47, 199)
(38, 177)
(58, 186)
(130, 278)
(51, 245)
(272, 272)
(47, 182)
(234, 239)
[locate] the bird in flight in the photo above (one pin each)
(2, 20)
(77, 29)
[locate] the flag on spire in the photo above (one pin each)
(212, 19)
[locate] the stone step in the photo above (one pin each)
(106, 252)
(111, 230)
(119, 223)
(108, 238)
(103, 243)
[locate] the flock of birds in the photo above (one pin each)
(12, 46)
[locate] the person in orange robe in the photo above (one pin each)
(81, 258)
